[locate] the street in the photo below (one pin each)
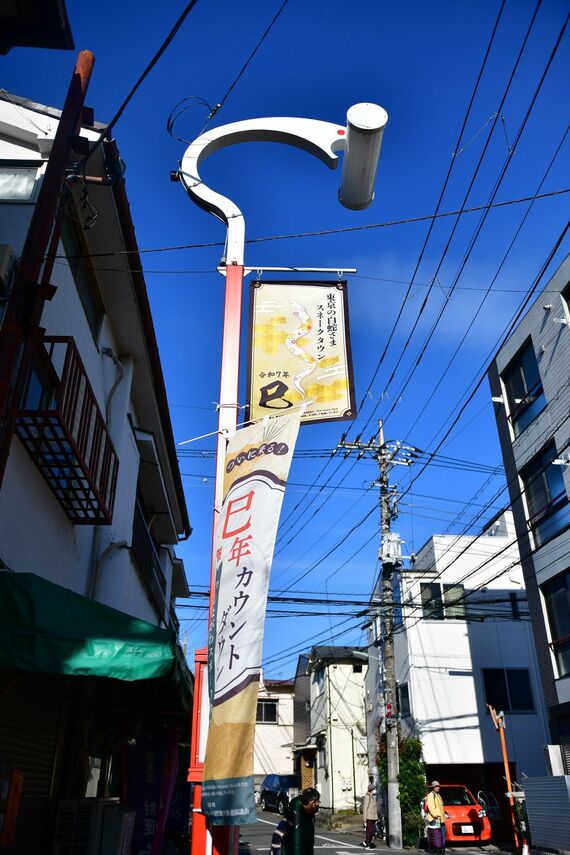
(257, 838)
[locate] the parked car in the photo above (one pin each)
(467, 818)
(276, 792)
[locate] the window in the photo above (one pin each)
(80, 267)
(357, 669)
(566, 302)
(450, 607)
(17, 183)
(267, 712)
(523, 387)
(397, 597)
(547, 501)
(404, 700)
(454, 602)
(432, 605)
(557, 598)
(508, 689)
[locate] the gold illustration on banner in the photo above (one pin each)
(300, 350)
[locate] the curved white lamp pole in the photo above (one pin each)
(360, 141)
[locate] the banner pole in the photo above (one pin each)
(217, 840)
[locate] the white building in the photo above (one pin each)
(273, 747)
(463, 639)
(338, 726)
(91, 505)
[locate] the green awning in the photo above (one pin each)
(44, 627)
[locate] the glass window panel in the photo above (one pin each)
(397, 597)
(520, 694)
(17, 183)
(454, 601)
(404, 699)
(496, 688)
(546, 496)
(523, 386)
(557, 599)
(432, 605)
(267, 711)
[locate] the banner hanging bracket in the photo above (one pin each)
(337, 271)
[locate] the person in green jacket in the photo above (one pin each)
(295, 834)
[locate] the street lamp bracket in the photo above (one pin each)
(360, 140)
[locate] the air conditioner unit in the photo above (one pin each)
(79, 826)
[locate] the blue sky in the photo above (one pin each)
(420, 62)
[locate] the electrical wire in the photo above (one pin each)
(346, 230)
(438, 205)
(483, 217)
(489, 288)
(165, 44)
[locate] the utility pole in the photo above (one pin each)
(387, 456)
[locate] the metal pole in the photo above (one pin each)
(223, 841)
(353, 769)
(392, 750)
(20, 326)
(499, 722)
(331, 766)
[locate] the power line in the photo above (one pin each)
(485, 213)
(439, 201)
(323, 232)
(105, 133)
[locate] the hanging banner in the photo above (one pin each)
(256, 468)
(299, 350)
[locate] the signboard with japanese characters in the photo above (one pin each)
(256, 468)
(299, 350)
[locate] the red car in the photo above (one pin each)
(467, 820)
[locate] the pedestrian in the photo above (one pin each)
(295, 833)
(369, 816)
(436, 816)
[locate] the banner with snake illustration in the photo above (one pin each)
(256, 468)
(299, 350)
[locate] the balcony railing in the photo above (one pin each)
(62, 428)
(147, 560)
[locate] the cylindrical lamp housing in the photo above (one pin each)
(365, 128)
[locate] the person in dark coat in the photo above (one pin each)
(295, 833)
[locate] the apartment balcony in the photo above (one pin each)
(63, 430)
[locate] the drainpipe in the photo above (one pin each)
(353, 769)
(120, 374)
(330, 741)
(94, 576)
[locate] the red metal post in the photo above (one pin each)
(20, 326)
(224, 839)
